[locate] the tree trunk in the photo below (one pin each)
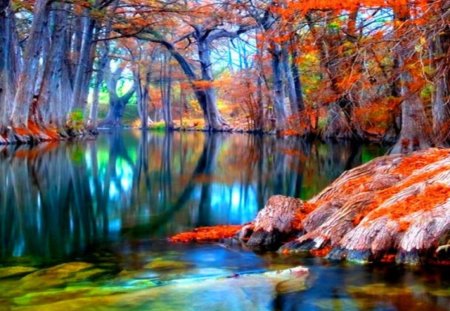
(413, 133)
(166, 91)
(4, 5)
(394, 208)
(117, 103)
(296, 76)
(289, 82)
(84, 59)
(24, 95)
(9, 62)
(115, 113)
(102, 62)
(65, 90)
(143, 95)
(441, 100)
(214, 118)
(47, 102)
(278, 87)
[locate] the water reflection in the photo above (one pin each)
(58, 199)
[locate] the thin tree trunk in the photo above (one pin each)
(167, 92)
(441, 100)
(215, 120)
(99, 77)
(278, 87)
(83, 61)
(296, 77)
(289, 81)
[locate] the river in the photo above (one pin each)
(83, 226)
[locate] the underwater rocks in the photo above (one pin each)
(15, 271)
(60, 275)
(252, 291)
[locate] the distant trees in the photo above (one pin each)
(46, 67)
(378, 63)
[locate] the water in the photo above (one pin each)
(83, 226)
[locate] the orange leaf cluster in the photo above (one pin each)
(415, 162)
(388, 258)
(428, 199)
(321, 252)
(306, 209)
(406, 166)
(33, 129)
(206, 234)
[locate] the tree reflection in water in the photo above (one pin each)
(57, 199)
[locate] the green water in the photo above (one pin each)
(83, 226)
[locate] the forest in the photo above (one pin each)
(225, 155)
(360, 70)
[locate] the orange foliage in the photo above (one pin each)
(301, 124)
(437, 193)
(33, 129)
(388, 258)
(203, 84)
(306, 209)
(321, 252)
(415, 162)
(206, 234)
(428, 199)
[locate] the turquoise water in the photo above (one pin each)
(83, 226)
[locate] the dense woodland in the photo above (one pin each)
(369, 70)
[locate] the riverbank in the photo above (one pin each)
(34, 134)
(392, 209)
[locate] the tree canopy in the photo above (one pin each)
(368, 70)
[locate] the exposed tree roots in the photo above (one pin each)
(34, 133)
(395, 208)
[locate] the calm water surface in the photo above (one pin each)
(83, 226)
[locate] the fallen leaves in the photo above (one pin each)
(207, 234)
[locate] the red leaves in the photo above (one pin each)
(428, 199)
(321, 252)
(415, 162)
(206, 234)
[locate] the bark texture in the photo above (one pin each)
(395, 207)
(274, 224)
